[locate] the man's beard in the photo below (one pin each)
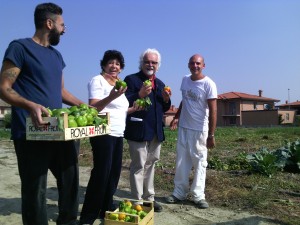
(150, 72)
(54, 37)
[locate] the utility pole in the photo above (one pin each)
(289, 98)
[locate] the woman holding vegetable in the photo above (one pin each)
(106, 93)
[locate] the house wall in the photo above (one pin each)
(288, 116)
(251, 105)
(293, 107)
(3, 111)
(228, 112)
(260, 118)
(167, 119)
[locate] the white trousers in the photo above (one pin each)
(191, 152)
(143, 157)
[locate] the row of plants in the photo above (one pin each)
(264, 161)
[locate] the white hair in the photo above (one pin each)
(149, 51)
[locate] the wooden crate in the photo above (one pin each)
(147, 220)
(51, 132)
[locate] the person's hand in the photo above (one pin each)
(210, 142)
(36, 111)
(137, 107)
(166, 94)
(173, 124)
(114, 93)
(145, 91)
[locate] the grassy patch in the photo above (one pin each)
(4, 133)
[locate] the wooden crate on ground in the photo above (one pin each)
(52, 132)
(147, 220)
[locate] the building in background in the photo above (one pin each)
(5, 108)
(291, 105)
(168, 116)
(241, 109)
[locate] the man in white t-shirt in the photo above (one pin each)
(196, 119)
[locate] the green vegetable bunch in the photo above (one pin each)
(78, 116)
(144, 102)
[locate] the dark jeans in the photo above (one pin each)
(34, 160)
(103, 183)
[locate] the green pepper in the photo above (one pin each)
(122, 206)
(119, 84)
(81, 121)
(49, 111)
(71, 122)
(147, 83)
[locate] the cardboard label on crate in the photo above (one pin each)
(82, 132)
(52, 131)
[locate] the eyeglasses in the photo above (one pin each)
(150, 62)
(62, 25)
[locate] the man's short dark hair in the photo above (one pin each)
(45, 11)
(112, 54)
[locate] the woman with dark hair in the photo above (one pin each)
(107, 149)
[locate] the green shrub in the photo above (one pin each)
(267, 162)
(263, 161)
(7, 120)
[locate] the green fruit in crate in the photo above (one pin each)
(73, 108)
(133, 211)
(128, 219)
(81, 121)
(76, 114)
(93, 111)
(122, 206)
(142, 214)
(49, 111)
(72, 122)
(59, 112)
(90, 119)
(114, 216)
(83, 106)
(127, 209)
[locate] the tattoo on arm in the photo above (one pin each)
(10, 75)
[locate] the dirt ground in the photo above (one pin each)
(182, 214)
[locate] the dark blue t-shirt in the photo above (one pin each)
(39, 81)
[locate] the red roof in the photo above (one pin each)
(243, 96)
(172, 110)
(297, 103)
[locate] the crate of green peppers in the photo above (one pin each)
(71, 123)
(131, 212)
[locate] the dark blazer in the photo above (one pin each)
(143, 125)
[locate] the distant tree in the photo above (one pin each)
(280, 119)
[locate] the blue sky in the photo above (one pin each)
(248, 45)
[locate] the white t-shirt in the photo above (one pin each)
(194, 112)
(99, 88)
